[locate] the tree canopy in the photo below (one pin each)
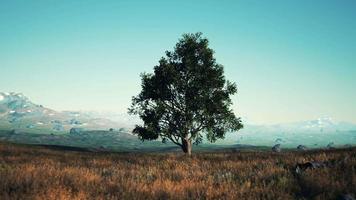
(186, 97)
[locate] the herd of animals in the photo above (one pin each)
(278, 147)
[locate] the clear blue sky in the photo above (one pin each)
(292, 60)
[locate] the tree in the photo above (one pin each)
(186, 96)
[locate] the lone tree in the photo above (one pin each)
(186, 96)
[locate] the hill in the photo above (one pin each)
(23, 121)
(20, 113)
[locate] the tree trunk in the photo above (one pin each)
(187, 146)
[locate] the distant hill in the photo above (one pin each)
(317, 133)
(18, 112)
(23, 121)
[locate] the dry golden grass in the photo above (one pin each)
(38, 173)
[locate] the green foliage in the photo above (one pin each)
(186, 96)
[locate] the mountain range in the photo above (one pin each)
(19, 114)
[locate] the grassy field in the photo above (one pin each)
(114, 141)
(33, 172)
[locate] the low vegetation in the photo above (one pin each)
(33, 172)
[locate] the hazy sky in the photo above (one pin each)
(292, 60)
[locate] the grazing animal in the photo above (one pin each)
(330, 145)
(301, 167)
(302, 147)
(277, 148)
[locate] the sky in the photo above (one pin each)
(291, 60)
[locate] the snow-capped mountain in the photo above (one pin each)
(313, 133)
(16, 110)
(15, 106)
(322, 124)
(327, 124)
